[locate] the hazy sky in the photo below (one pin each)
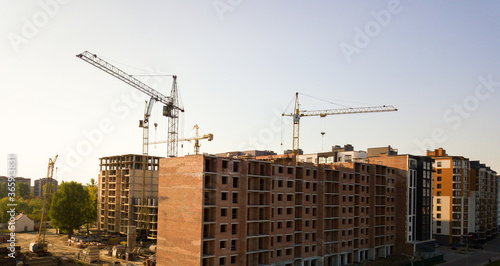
(239, 64)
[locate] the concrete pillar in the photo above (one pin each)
(372, 254)
(131, 237)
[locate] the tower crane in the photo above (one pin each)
(170, 109)
(297, 114)
(196, 139)
(39, 246)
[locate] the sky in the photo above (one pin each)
(239, 64)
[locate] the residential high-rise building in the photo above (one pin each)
(39, 183)
(484, 192)
(417, 181)
(120, 193)
(465, 199)
(453, 213)
(498, 204)
(221, 211)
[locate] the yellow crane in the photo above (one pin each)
(297, 114)
(40, 246)
(170, 109)
(196, 139)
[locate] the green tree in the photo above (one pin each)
(22, 206)
(3, 190)
(22, 190)
(46, 186)
(90, 210)
(35, 206)
(4, 215)
(66, 210)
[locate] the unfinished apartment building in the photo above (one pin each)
(252, 212)
(120, 193)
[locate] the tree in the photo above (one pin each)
(67, 207)
(46, 186)
(35, 206)
(22, 190)
(90, 210)
(3, 190)
(4, 215)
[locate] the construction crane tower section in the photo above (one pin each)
(297, 114)
(40, 247)
(173, 123)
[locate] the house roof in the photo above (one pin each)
(21, 215)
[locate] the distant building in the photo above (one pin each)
(4, 179)
(498, 204)
(300, 152)
(24, 223)
(39, 183)
(248, 153)
(465, 199)
(372, 152)
(338, 154)
(483, 187)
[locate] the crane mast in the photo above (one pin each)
(40, 243)
(170, 109)
(173, 124)
(297, 114)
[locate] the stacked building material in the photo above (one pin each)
(90, 254)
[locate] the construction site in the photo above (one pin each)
(246, 207)
(130, 223)
(226, 132)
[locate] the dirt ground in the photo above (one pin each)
(58, 246)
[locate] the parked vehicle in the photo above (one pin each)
(476, 246)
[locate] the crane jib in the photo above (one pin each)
(100, 63)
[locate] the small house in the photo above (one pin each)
(24, 223)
